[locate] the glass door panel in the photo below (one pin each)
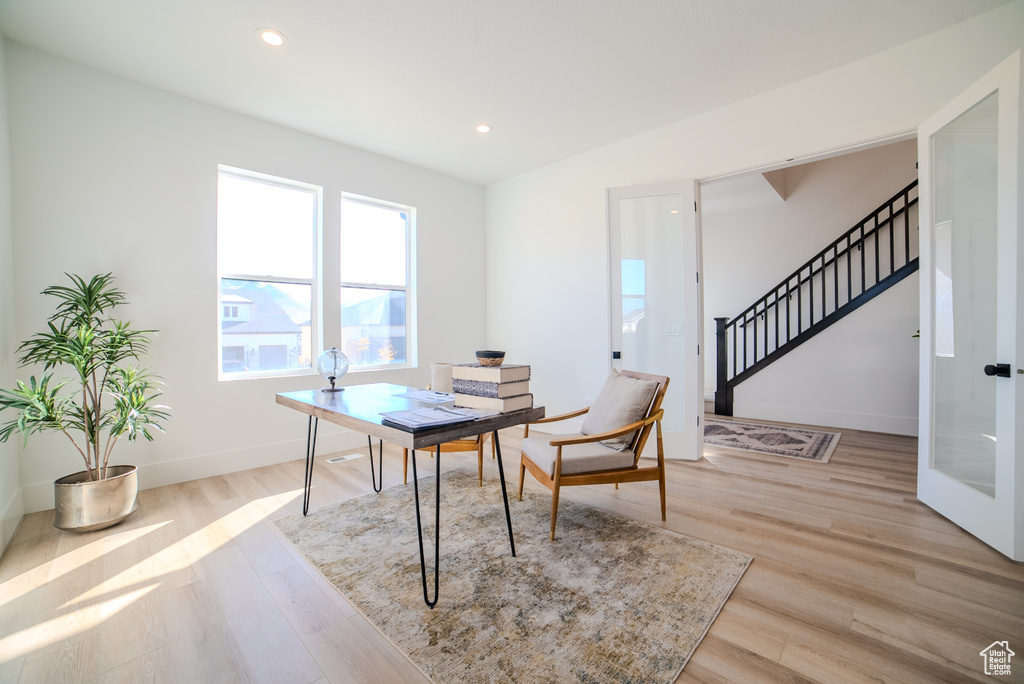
(964, 229)
(655, 303)
(653, 307)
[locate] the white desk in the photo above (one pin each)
(358, 407)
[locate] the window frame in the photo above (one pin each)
(315, 283)
(408, 289)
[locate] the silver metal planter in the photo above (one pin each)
(83, 505)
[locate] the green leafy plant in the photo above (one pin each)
(107, 399)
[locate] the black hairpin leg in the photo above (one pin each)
(307, 480)
(504, 494)
(373, 474)
(437, 527)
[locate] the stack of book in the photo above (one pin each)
(499, 388)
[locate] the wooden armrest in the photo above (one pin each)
(564, 416)
(601, 436)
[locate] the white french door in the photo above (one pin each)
(656, 321)
(971, 452)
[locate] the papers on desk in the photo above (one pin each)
(429, 417)
(477, 413)
(428, 396)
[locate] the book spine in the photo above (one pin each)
(495, 390)
(473, 371)
(510, 404)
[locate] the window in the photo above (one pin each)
(272, 278)
(375, 276)
(268, 231)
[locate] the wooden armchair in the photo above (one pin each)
(474, 444)
(608, 447)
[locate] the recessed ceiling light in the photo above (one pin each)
(674, 211)
(271, 37)
(483, 128)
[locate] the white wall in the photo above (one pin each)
(546, 230)
(862, 372)
(11, 507)
(111, 175)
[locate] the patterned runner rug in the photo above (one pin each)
(777, 440)
(612, 600)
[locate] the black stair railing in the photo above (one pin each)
(855, 268)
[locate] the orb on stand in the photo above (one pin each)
(332, 364)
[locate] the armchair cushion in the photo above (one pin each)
(576, 458)
(623, 400)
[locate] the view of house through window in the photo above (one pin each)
(268, 236)
(266, 259)
(374, 282)
(634, 286)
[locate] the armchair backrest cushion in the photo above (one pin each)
(622, 400)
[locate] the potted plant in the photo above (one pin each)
(106, 399)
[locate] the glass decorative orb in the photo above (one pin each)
(332, 364)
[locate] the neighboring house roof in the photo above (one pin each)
(234, 299)
(632, 316)
(265, 316)
(386, 309)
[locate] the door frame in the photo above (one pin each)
(796, 160)
(994, 520)
(687, 444)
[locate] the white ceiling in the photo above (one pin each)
(411, 79)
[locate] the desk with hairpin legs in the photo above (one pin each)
(359, 407)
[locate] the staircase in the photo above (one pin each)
(878, 252)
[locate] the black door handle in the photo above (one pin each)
(1000, 370)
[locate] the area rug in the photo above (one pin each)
(611, 600)
(777, 440)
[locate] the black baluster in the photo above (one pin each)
(876, 250)
(810, 295)
(892, 242)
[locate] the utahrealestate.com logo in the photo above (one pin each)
(997, 658)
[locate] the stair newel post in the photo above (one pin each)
(723, 391)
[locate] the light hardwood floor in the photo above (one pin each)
(853, 579)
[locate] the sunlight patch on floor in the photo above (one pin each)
(52, 631)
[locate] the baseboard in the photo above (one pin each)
(39, 496)
(10, 517)
(893, 425)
